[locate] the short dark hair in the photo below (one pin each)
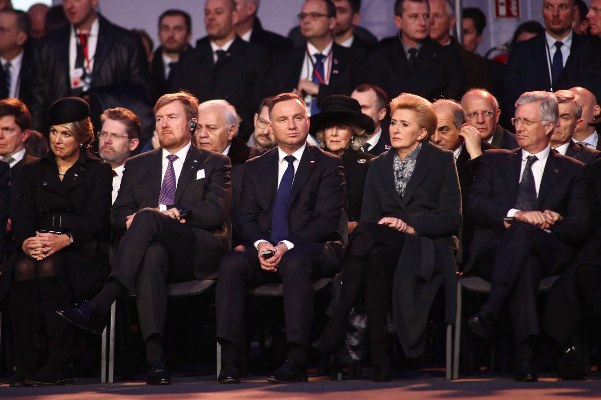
(528, 26)
(284, 97)
(381, 96)
(266, 102)
(133, 127)
(476, 15)
(331, 8)
(355, 5)
(582, 9)
(398, 6)
(189, 102)
(23, 20)
(18, 109)
(177, 13)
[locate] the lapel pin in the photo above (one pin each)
(75, 175)
(44, 183)
(312, 162)
(361, 161)
(556, 170)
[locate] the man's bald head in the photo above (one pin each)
(590, 108)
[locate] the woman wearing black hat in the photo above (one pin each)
(62, 226)
(401, 252)
(341, 128)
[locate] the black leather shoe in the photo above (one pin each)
(158, 375)
(50, 375)
(526, 376)
(229, 375)
(289, 372)
(480, 324)
(86, 316)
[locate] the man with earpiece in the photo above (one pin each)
(171, 211)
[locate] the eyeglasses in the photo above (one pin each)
(475, 114)
(526, 122)
(312, 15)
(105, 135)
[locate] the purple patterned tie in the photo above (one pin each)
(167, 195)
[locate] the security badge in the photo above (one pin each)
(79, 79)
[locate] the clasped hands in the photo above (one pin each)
(44, 244)
(171, 213)
(397, 224)
(541, 219)
(271, 264)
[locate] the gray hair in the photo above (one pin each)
(458, 115)
(565, 96)
(549, 111)
(230, 115)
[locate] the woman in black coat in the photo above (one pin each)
(62, 228)
(402, 250)
(340, 128)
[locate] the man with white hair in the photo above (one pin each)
(530, 209)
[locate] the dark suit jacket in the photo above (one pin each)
(432, 205)
(160, 85)
(477, 70)
(25, 76)
(208, 198)
(239, 79)
(272, 41)
(582, 153)
(438, 71)
(495, 190)
(503, 139)
(345, 73)
(356, 164)
(4, 200)
(527, 69)
(120, 60)
(316, 200)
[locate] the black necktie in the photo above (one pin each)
(279, 220)
(171, 65)
(220, 56)
(366, 147)
(557, 65)
(527, 189)
(412, 57)
(7, 79)
(318, 79)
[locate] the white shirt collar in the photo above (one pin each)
(246, 36)
(15, 62)
(227, 150)
(225, 47)
(181, 154)
(457, 151)
(562, 149)
(313, 50)
(592, 140)
(119, 170)
(297, 154)
(541, 155)
(18, 156)
(348, 42)
(566, 40)
(374, 139)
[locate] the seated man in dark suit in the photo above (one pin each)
(570, 118)
(416, 63)
(530, 209)
(374, 103)
(482, 111)
(291, 203)
(171, 210)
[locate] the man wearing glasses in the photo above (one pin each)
(321, 67)
(482, 112)
(117, 141)
(530, 210)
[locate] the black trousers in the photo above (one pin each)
(157, 250)
(299, 267)
(514, 264)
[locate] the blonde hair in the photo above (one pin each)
(426, 117)
(358, 138)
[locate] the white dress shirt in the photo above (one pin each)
(591, 141)
(562, 149)
(551, 49)
(225, 48)
(117, 181)
(282, 166)
(537, 171)
(373, 141)
(309, 61)
(178, 164)
(18, 156)
(91, 45)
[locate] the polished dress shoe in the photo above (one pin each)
(228, 375)
(289, 372)
(158, 375)
(526, 376)
(480, 324)
(525, 370)
(86, 316)
(49, 375)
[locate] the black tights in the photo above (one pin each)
(28, 269)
